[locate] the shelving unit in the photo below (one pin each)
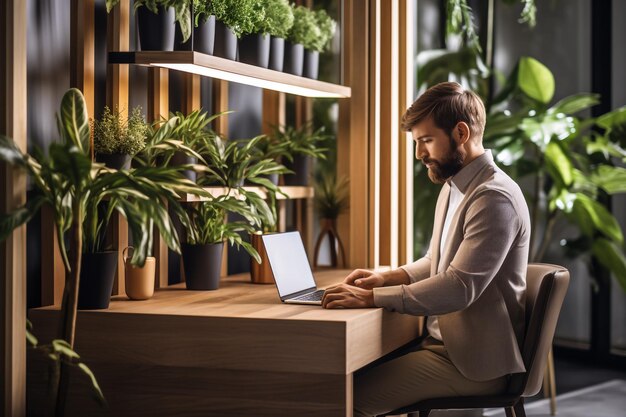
(228, 70)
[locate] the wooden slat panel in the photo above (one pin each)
(353, 148)
(118, 39)
(158, 108)
(406, 157)
(220, 125)
(82, 51)
(52, 279)
(374, 171)
(389, 150)
(191, 93)
(13, 194)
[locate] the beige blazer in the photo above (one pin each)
(476, 286)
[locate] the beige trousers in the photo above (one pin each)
(424, 372)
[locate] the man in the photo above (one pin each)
(471, 284)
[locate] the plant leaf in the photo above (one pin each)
(559, 164)
(599, 217)
(610, 255)
(94, 383)
(73, 120)
(535, 80)
(610, 179)
(575, 103)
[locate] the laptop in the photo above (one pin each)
(291, 269)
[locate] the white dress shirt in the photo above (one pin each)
(453, 203)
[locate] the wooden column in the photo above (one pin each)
(353, 148)
(13, 194)
(220, 125)
(406, 156)
(158, 108)
(118, 39)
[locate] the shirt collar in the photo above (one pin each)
(462, 179)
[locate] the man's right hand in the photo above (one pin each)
(363, 278)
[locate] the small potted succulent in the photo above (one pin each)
(278, 21)
(301, 146)
(156, 22)
(233, 18)
(318, 43)
(116, 140)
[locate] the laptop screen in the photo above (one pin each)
(289, 262)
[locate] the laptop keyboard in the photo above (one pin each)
(312, 296)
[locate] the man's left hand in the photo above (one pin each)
(347, 296)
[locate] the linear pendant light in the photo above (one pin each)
(224, 69)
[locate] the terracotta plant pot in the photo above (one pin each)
(260, 273)
(140, 280)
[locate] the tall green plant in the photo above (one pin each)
(72, 185)
(568, 157)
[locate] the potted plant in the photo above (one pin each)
(232, 19)
(72, 185)
(207, 230)
(156, 22)
(116, 141)
(315, 44)
(303, 30)
(302, 144)
(278, 21)
(189, 130)
(331, 199)
(204, 27)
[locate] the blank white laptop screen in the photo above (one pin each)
(289, 262)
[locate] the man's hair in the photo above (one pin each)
(448, 104)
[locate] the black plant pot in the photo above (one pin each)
(203, 264)
(294, 57)
(204, 36)
(115, 161)
(311, 64)
(96, 280)
(156, 31)
(179, 44)
(181, 158)
(255, 49)
(301, 166)
(277, 53)
(225, 42)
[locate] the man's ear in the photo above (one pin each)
(461, 133)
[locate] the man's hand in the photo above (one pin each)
(363, 278)
(347, 296)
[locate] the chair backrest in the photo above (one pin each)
(546, 286)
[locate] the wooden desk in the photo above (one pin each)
(236, 351)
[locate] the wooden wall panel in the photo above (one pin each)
(158, 108)
(220, 125)
(353, 148)
(13, 194)
(118, 39)
(406, 156)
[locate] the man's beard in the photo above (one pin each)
(440, 172)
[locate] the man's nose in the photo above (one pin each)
(420, 150)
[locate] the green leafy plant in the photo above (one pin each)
(331, 194)
(181, 9)
(304, 30)
(112, 135)
(72, 185)
(302, 140)
(571, 165)
(327, 27)
(241, 16)
(208, 223)
(278, 18)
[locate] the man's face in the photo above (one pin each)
(438, 151)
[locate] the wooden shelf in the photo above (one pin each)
(225, 69)
(293, 193)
